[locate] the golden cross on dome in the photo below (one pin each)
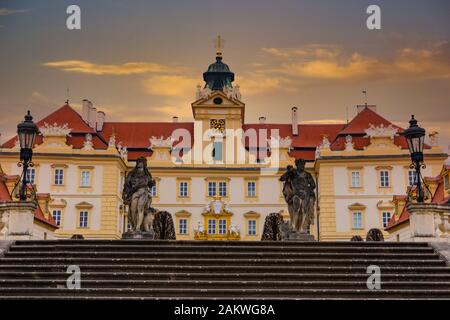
(219, 45)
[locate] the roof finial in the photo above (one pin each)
(67, 100)
(219, 46)
(365, 96)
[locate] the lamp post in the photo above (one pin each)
(415, 136)
(26, 131)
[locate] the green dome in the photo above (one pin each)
(218, 75)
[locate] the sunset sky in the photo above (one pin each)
(141, 60)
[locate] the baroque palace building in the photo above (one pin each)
(218, 176)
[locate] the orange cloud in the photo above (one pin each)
(171, 86)
(81, 66)
(7, 12)
(328, 62)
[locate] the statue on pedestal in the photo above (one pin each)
(136, 194)
(299, 194)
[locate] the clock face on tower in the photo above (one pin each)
(217, 124)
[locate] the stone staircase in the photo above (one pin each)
(221, 269)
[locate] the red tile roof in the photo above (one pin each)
(404, 217)
(137, 134)
(309, 135)
(63, 115)
(362, 120)
(66, 114)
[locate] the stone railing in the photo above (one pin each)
(429, 222)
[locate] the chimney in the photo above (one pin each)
(100, 120)
(174, 119)
(92, 119)
(361, 107)
(294, 121)
(85, 110)
(262, 120)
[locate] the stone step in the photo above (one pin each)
(171, 293)
(223, 261)
(344, 244)
(222, 269)
(275, 276)
(222, 284)
(221, 255)
(209, 248)
(232, 269)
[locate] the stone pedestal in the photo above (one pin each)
(291, 235)
(130, 235)
(17, 220)
(297, 236)
(429, 222)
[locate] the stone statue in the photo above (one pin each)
(136, 194)
(374, 235)
(299, 194)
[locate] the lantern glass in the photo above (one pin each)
(415, 136)
(27, 131)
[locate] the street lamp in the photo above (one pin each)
(415, 136)
(26, 131)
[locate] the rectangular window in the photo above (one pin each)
(211, 226)
(217, 151)
(184, 189)
(59, 177)
(57, 216)
(211, 189)
(384, 178)
(252, 227)
(251, 188)
(386, 216)
(412, 178)
(182, 227)
(357, 220)
(222, 226)
(31, 175)
(356, 179)
(84, 219)
(85, 178)
(154, 191)
(222, 189)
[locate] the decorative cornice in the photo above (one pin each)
(357, 206)
(55, 130)
(160, 142)
(277, 142)
(87, 144)
(381, 131)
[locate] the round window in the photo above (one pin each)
(218, 100)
